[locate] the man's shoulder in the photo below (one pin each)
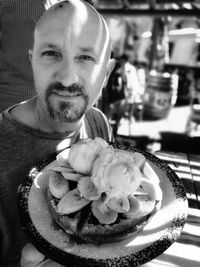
(97, 123)
(96, 113)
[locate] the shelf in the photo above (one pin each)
(150, 12)
(182, 66)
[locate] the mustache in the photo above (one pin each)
(59, 87)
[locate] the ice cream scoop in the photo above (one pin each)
(115, 173)
(83, 154)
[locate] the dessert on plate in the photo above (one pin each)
(98, 193)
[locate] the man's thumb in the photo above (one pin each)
(30, 256)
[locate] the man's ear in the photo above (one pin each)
(30, 52)
(110, 67)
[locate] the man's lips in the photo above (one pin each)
(67, 93)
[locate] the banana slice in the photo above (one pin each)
(58, 186)
(139, 159)
(67, 172)
(88, 189)
(119, 204)
(154, 191)
(71, 202)
(58, 168)
(72, 176)
(103, 213)
(62, 158)
(134, 209)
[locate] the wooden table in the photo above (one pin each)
(185, 252)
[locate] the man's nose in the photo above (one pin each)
(66, 74)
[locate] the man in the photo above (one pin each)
(71, 64)
(132, 88)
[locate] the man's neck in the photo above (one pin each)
(31, 114)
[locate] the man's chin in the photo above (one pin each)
(71, 110)
(67, 114)
(70, 117)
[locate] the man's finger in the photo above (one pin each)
(30, 256)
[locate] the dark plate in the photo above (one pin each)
(156, 236)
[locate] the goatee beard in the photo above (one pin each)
(66, 111)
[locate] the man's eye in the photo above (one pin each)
(86, 58)
(50, 53)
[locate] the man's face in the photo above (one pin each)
(69, 60)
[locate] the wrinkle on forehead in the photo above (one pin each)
(74, 17)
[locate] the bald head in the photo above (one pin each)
(77, 18)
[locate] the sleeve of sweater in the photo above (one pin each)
(97, 124)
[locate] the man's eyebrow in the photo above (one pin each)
(49, 45)
(87, 49)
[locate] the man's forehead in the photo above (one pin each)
(70, 34)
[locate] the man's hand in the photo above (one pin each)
(31, 257)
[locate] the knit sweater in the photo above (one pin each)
(21, 147)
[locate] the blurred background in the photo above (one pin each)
(152, 98)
